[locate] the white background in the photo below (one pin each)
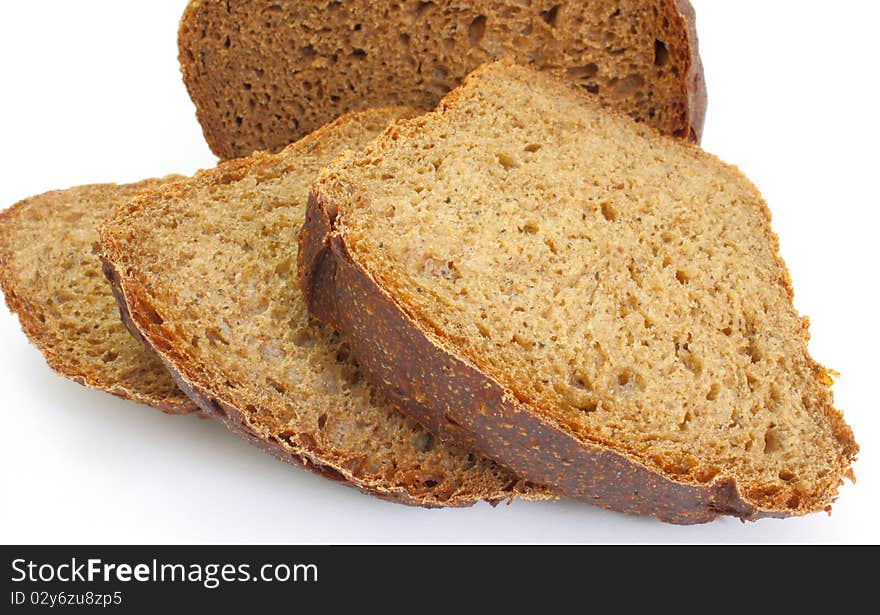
(90, 92)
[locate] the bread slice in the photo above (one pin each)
(599, 308)
(52, 279)
(264, 73)
(205, 270)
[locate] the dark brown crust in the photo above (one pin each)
(204, 92)
(139, 315)
(236, 422)
(695, 79)
(233, 419)
(460, 403)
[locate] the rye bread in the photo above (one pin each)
(51, 277)
(596, 306)
(204, 271)
(263, 73)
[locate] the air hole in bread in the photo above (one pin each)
(276, 385)
(551, 15)
(423, 8)
(507, 161)
(582, 73)
(628, 86)
(753, 351)
(712, 395)
(152, 315)
(441, 268)
(484, 331)
(683, 425)
(215, 336)
(608, 211)
(691, 362)
(578, 381)
(588, 407)
(772, 440)
(661, 53)
(477, 29)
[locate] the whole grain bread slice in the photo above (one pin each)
(263, 73)
(597, 307)
(205, 272)
(51, 277)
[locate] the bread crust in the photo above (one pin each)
(235, 421)
(425, 376)
(458, 402)
(35, 330)
(695, 78)
(41, 335)
(205, 87)
(134, 305)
